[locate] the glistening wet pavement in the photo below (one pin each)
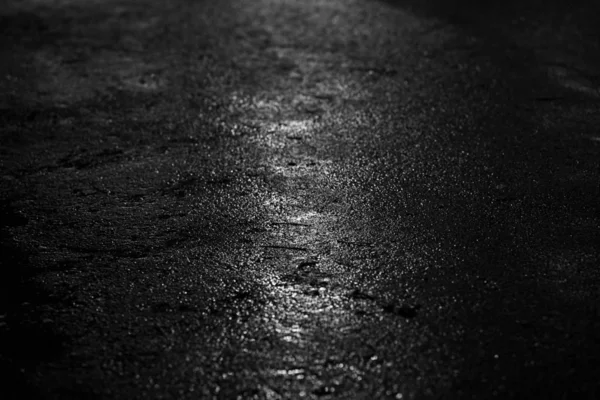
(286, 199)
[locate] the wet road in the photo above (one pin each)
(300, 199)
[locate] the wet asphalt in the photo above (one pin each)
(299, 199)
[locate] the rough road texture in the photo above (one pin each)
(299, 199)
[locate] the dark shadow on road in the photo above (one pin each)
(535, 231)
(25, 339)
(558, 39)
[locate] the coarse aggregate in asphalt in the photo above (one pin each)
(281, 199)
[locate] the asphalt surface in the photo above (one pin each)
(299, 199)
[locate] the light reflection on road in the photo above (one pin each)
(306, 306)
